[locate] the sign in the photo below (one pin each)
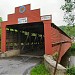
(46, 17)
(22, 20)
(22, 9)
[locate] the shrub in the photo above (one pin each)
(55, 56)
(71, 51)
(71, 71)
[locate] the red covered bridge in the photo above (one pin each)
(27, 31)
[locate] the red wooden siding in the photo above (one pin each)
(57, 37)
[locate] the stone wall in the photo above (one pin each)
(10, 53)
(50, 65)
(72, 61)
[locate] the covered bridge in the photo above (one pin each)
(29, 32)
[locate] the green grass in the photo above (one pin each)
(39, 70)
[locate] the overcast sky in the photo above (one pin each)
(47, 7)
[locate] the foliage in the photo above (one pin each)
(69, 7)
(0, 33)
(55, 55)
(72, 49)
(69, 30)
(0, 38)
(0, 19)
(71, 71)
(39, 70)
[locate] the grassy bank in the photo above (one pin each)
(39, 70)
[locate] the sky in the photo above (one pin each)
(48, 7)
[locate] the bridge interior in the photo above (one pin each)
(28, 38)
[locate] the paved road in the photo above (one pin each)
(18, 65)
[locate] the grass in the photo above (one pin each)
(39, 70)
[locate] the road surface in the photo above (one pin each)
(18, 65)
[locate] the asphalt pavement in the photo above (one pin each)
(20, 65)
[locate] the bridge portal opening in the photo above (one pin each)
(28, 38)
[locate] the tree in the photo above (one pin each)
(0, 19)
(0, 32)
(69, 30)
(69, 14)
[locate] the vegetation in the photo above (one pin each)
(0, 32)
(71, 71)
(69, 8)
(72, 50)
(69, 30)
(0, 19)
(69, 17)
(0, 28)
(55, 56)
(39, 70)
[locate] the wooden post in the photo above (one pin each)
(8, 39)
(29, 39)
(57, 58)
(19, 40)
(3, 38)
(13, 38)
(16, 33)
(37, 39)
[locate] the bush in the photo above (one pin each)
(71, 71)
(39, 70)
(71, 51)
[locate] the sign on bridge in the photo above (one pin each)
(22, 20)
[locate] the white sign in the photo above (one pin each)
(22, 20)
(46, 17)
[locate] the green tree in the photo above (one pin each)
(0, 19)
(70, 30)
(68, 9)
(0, 38)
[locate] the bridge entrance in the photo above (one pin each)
(28, 38)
